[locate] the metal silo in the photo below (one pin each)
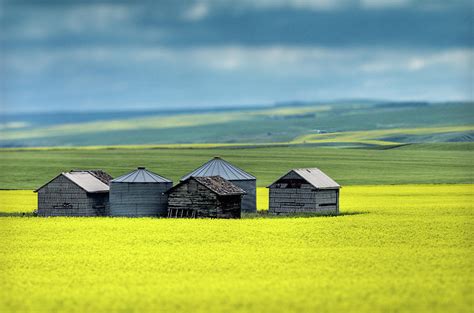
(139, 193)
(239, 177)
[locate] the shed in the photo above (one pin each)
(75, 193)
(304, 190)
(228, 171)
(211, 196)
(139, 193)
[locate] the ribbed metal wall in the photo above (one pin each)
(249, 200)
(139, 199)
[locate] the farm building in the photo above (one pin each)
(139, 193)
(211, 196)
(240, 178)
(304, 190)
(75, 193)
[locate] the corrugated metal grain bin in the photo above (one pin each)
(238, 177)
(139, 193)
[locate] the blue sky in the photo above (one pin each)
(103, 55)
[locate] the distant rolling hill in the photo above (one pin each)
(335, 124)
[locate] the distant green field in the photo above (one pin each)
(281, 124)
(394, 249)
(394, 136)
(440, 163)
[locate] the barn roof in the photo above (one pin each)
(313, 176)
(99, 174)
(91, 181)
(216, 184)
(222, 168)
(141, 175)
(87, 181)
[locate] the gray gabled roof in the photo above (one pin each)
(222, 168)
(99, 174)
(216, 184)
(141, 175)
(87, 180)
(314, 176)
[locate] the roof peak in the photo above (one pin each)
(220, 167)
(313, 176)
(141, 175)
(306, 169)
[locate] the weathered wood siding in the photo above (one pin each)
(61, 197)
(291, 194)
(193, 196)
(139, 199)
(249, 200)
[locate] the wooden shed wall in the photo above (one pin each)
(249, 200)
(193, 196)
(139, 199)
(61, 197)
(292, 194)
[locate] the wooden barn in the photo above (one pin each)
(230, 172)
(75, 193)
(211, 196)
(304, 190)
(139, 193)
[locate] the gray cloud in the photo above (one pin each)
(390, 22)
(121, 54)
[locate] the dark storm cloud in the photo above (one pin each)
(333, 29)
(165, 23)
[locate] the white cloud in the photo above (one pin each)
(409, 61)
(277, 60)
(215, 75)
(96, 17)
(196, 12)
(266, 4)
(302, 4)
(322, 5)
(381, 4)
(46, 22)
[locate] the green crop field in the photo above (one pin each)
(394, 249)
(437, 163)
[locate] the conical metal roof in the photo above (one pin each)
(222, 168)
(141, 175)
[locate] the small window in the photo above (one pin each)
(65, 205)
(328, 204)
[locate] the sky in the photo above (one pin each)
(118, 55)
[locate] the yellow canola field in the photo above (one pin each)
(394, 249)
(352, 197)
(13, 201)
